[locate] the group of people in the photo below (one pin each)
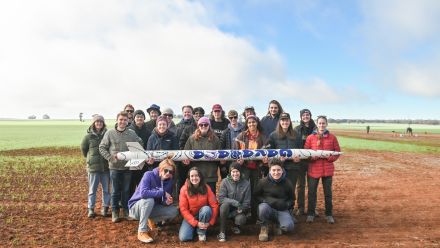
(264, 190)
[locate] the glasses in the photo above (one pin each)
(168, 171)
(168, 115)
(204, 125)
(233, 117)
(129, 110)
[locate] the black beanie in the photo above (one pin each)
(235, 166)
(139, 112)
(304, 111)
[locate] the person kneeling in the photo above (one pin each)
(274, 195)
(235, 200)
(198, 206)
(152, 200)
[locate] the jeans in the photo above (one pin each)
(121, 188)
(227, 211)
(94, 179)
(301, 186)
(186, 231)
(313, 187)
(144, 209)
(268, 214)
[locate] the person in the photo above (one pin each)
(248, 110)
(204, 139)
(169, 114)
(140, 128)
(161, 139)
(218, 120)
(274, 195)
(235, 200)
(270, 121)
(114, 141)
(188, 130)
(198, 206)
(153, 111)
(368, 129)
(97, 166)
(252, 138)
(303, 130)
(152, 200)
(228, 136)
(284, 137)
(321, 139)
(186, 121)
(129, 109)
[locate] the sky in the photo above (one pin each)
(368, 59)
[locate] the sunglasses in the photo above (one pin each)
(168, 171)
(168, 115)
(233, 117)
(204, 125)
(129, 111)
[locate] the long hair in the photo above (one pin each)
(259, 127)
(201, 189)
(290, 134)
(198, 134)
(223, 116)
(280, 109)
(320, 136)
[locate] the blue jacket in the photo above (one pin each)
(151, 186)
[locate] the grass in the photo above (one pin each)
(388, 127)
(348, 143)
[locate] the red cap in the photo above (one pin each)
(217, 107)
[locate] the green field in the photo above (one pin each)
(53, 133)
(388, 127)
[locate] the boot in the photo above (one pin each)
(145, 237)
(91, 213)
(264, 233)
(104, 212)
(125, 214)
(115, 216)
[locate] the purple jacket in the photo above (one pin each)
(151, 186)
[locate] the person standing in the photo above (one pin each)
(303, 130)
(248, 110)
(270, 121)
(228, 136)
(218, 120)
(153, 199)
(154, 112)
(169, 114)
(114, 141)
(97, 166)
(274, 195)
(187, 120)
(321, 168)
(129, 109)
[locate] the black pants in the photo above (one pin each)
(292, 176)
(313, 188)
(301, 186)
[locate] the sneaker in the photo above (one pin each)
(91, 213)
(264, 234)
(104, 212)
(115, 216)
(221, 237)
(277, 230)
(310, 218)
(330, 219)
(202, 237)
(236, 230)
(151, 224)
(144, 237)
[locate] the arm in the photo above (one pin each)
(147, 190)
(184, 208)
(223, 195)
(104, 147)
(85, 145)
(335, 148)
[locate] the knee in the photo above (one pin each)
(224, 208)
(263, 209)
(205, 210)
(288, 227)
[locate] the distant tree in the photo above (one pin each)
(32, 117)
(81, 117)
(46, 117)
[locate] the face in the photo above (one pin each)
(322, 125)
(197, 115)
(139, 120)
(99, 125)
(249, 112)
(162, 127)
(166, 173)
(233, 119)
(252, 125)
(122, 122)
(217, 114)
(154, 114)
(169, 117)
(273, 109)
(194, 177)
(305, 117)
(235, 174)
(276, 172)
(130, 112)
(204, 128)
(285, 123)
(187, 113)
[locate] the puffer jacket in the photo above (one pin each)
(322, 167)
(208, 168)
(90, 150)
(276, 142)
(168, 141)
(238, 194)
(278, 194)
(113, 142)
(190, 206)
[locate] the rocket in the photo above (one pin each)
(136, 155)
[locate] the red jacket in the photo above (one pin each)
(322, 167)
(190, 205)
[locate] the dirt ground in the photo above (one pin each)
(381, 199)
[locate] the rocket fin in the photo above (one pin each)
(134, 147)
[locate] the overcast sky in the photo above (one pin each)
(345, 59)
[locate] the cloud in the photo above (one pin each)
(402, 40)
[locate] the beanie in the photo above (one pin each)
(97, 118)
(204, 120)
(139, 112)
(162, 118)
(304, 111)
